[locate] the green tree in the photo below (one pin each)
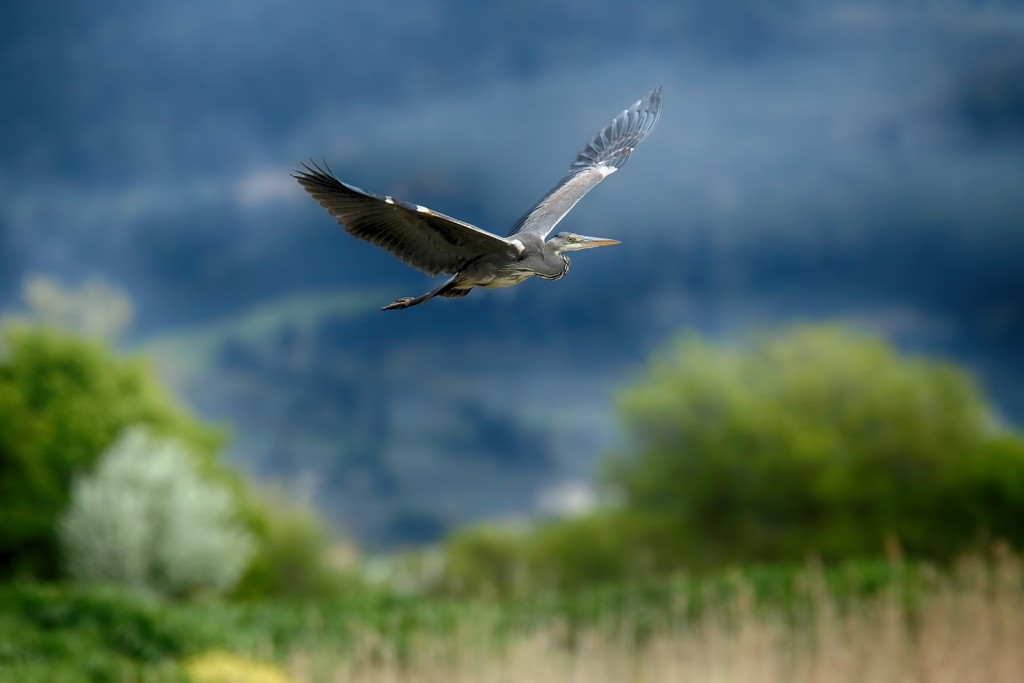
(487, 561)
(817, 440)
(298, 556)
(553, 555)
(63, 401)
(604, 546)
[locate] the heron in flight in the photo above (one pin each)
(435, 243)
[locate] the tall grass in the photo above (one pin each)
(962, 626)
(867, 621)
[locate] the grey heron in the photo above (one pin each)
(435, 243)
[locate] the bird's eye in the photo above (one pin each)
(570, 238)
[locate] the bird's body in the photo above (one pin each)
(534, 260)
(435, 243)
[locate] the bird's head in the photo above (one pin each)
(570, 241)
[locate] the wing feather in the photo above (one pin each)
(607, 152)
(422, 238)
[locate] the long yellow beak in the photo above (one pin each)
(588, 242)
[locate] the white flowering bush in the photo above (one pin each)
(146, 519)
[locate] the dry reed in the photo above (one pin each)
(964, 626)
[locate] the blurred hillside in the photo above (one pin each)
(814, 159)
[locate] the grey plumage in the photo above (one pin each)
(607, 152)
(435, 243)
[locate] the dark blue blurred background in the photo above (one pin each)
(860, 160)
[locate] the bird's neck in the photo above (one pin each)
(557, 263)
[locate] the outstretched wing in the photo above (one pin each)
(424, 239)
(606, 153)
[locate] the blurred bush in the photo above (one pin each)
(598, 548)
(812, 442)
(94, 309)
(486, 560)
(147, 520)
(553, 556)
(816, 441)
(71, 634)
(297, 557)
(63, 401)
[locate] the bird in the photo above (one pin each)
(473, 257)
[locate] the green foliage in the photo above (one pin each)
(599, 548)
(989, 499)
(485, 561)
(53, 633)
(93, 309)
(147, 520)
(815, 441)
(297, 556)
(63, 400)
(552, 557)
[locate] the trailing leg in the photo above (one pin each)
(447, 288)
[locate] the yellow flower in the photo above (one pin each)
(224, 667)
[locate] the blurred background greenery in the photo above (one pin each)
(816, 442)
